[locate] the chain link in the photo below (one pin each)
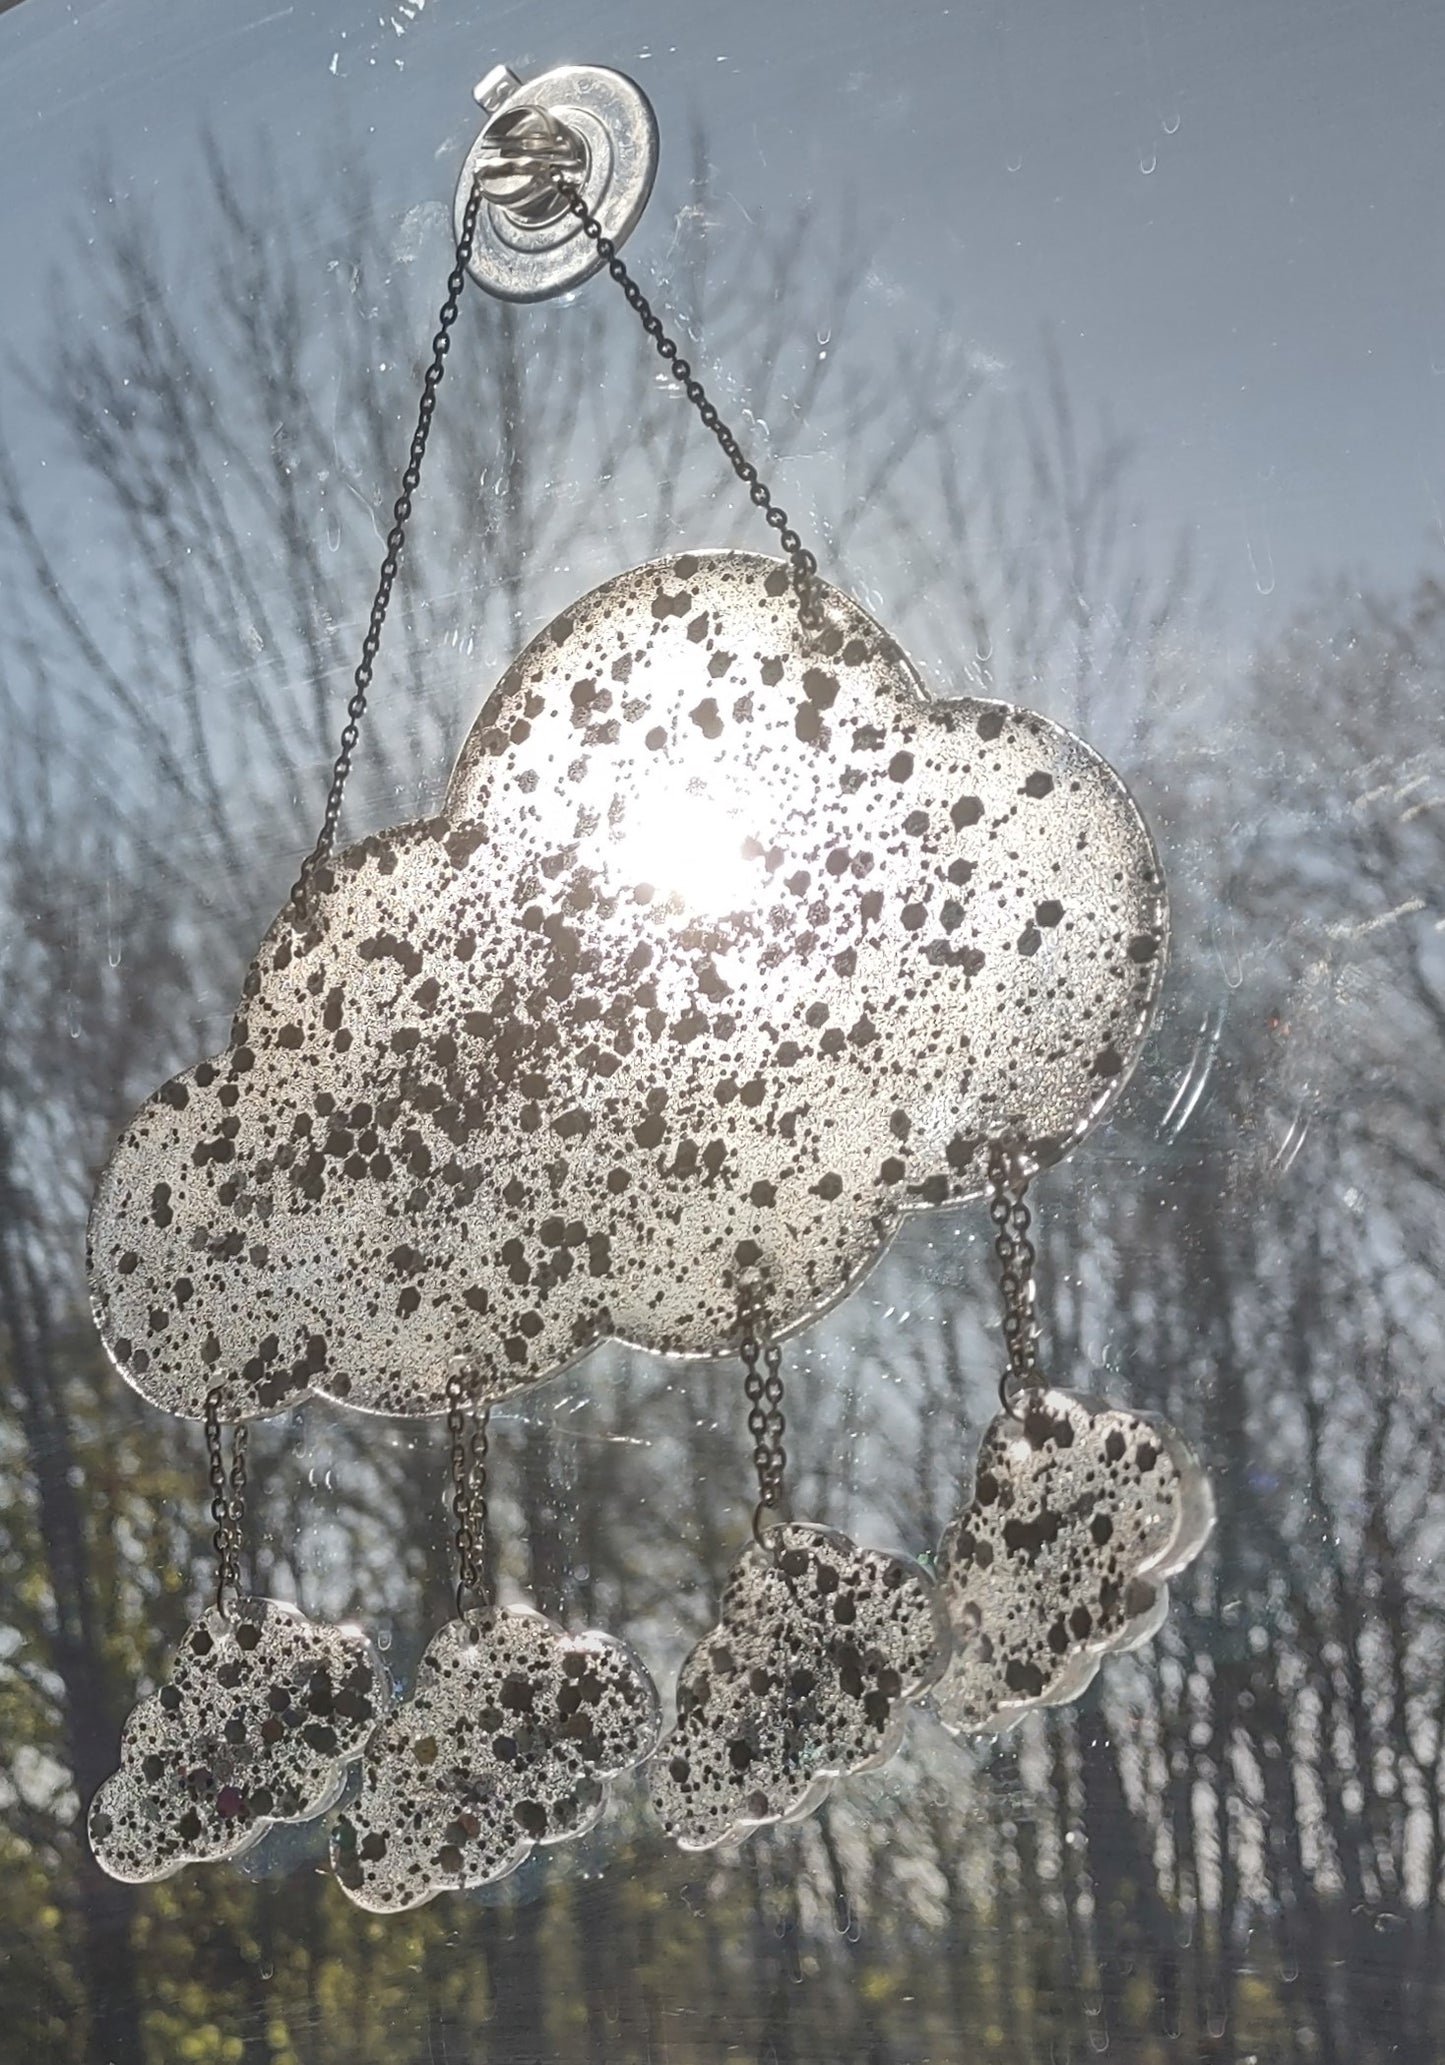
(763, 1389)
(1016, 1258)
(395, 541)
(228, 1501)
(777, 1425)
(470, 1445)
(804, 565)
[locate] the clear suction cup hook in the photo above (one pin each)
(595, 127)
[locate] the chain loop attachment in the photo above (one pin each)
(762, 1362)
(1008, 1183)
(228, 1502)
(469, 1447)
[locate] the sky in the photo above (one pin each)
(1226, 216)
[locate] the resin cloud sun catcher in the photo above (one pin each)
(730, 945)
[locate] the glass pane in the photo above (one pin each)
(1094, 354)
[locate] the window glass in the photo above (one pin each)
(1100, 353)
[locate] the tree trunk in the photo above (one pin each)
(106, 1966)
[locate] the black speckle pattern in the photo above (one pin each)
(804, 1680)
(263, 1713)
(730, 947)
(1080, 1513)
(508, 1741)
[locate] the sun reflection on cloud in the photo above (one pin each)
(684, 851)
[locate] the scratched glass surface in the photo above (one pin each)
(1099, 356)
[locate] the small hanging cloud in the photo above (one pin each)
(262, 1715)
(806, 1678)
(508, 1741)
(730, 947)
(1080, 1514)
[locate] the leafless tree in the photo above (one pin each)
(1237, 1841)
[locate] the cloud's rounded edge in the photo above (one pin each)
(1198, 1510)
(131, 1198)
(511, 701)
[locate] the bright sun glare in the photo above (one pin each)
(684, 847)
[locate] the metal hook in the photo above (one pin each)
(524, 150)
(591, 126)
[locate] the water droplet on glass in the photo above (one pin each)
(1147, 163)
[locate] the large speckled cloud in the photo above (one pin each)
(730, 947)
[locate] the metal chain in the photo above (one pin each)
(763, 1389)
(1016, 1258)
(470, 1445)
(395, 540)
(777, 1425)
(228, 1501)
(804, 565)
(802, 562)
